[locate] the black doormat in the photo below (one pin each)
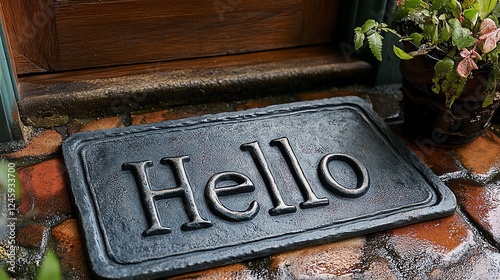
(177, 196)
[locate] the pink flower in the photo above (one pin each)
(467, 64)
(490, 34)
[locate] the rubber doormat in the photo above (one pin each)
(172, 197)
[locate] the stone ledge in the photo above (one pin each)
(119, 91)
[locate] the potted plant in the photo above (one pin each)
(449, 62)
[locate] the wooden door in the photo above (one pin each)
(62, 35)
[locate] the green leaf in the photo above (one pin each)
(444, 66)
(438, 4)
(50, 268)
(359, 38)
(447, 81)
(468, 3)
(460, 37)
(3, 274)
(435, 20)
(419, 16)
(411, 4)
(416, 38)
(390, 30)
(401, 54)
(495, 14)
(445, 34)
(429, 32)
(369, 24)
(486, 7)
(442, 70)
(9, 178)
(455, 7)
(455, 23)
(432, 33)
(453, 3)
(488, 100)
(472, 15)
(375, 43)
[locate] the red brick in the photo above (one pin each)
(419, 250)
(32, 236)
(180, 113)
(439, 160)
(106, 123)
(481, 264)
(379, 268)
(43, 189)
(46, 143)
(329, 260)
(439, 236)
(482, 203)
(70, 249)
(230, 272)
(481, 156)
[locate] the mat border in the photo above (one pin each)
(103, 266)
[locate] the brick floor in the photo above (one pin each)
(488, 147)
(463, 246)
(44, 190)
(330, 260)
(235, 271)
(42, 145)
(70, 249)
(32, 235)
(482, 204)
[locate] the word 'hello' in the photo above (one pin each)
(214, 190)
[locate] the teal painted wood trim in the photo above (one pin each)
(388, 70)
(9, 129)
(355, 13)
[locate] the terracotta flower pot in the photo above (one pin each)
(425, 113)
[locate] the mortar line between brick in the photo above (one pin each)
(484, 234)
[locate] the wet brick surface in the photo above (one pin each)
(44, 190)
(482, 205)
(42, 145)
(463, 246)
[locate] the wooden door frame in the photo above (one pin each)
(10, 125)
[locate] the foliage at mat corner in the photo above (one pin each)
(10, 186)
(462, 36)
(50, 268)
(9, 180)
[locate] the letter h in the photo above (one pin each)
(149, 196)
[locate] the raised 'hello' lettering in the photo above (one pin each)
(243, 184)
